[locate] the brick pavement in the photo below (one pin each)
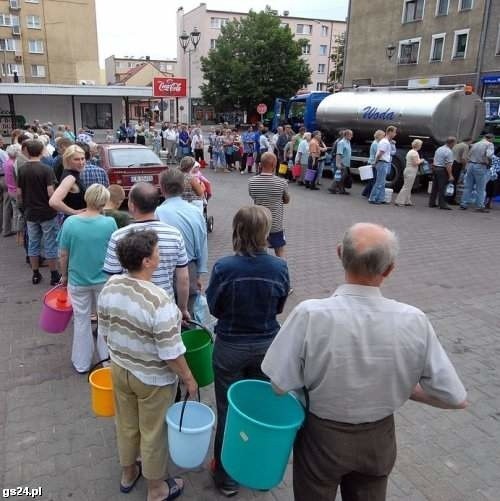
(448, 267)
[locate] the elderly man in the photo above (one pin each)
(142, 202)
(187, 218)
(443, 174)
(271, 191)
(480, 156)
(360, 357)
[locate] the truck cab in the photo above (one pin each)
(298, 111)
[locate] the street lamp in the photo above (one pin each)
(189, 44)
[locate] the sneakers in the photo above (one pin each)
(224, 483)
(36, 278)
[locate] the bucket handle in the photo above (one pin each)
(184, 408)
(193, 322)
(94, 367)
(58, 286)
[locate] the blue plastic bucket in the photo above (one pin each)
(188, 444)
(259, 434)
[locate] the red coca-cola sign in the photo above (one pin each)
(169, 87)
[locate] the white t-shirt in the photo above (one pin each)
(384, 146)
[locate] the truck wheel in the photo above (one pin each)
(395, 176)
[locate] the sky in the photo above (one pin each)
(148, 27)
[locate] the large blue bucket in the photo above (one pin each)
(259, 434)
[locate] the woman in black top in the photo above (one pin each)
(69, 197)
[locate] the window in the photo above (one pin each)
(304, 29)
(437, 47)
(322, 50)
(213, 43)
(306, 49)
(32, 1)
(321, 68)
(8, 44)
(497, 51)
(33, 22)
(413, 10)
(35, 46)
(460, 44)
(465, 4)
(324, 31)
(284, 25)
(409, 51)
(38, 70)
(5, 20)
(10, 69)
(321, 86)
(218, 22)
(442, 7)
(97, 116)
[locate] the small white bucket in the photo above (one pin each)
(365, 172)
(388, 195)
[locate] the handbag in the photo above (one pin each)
(283, 169)
(296, 170)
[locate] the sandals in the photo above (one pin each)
(174, 490)
(127, 488)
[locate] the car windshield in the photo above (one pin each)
(129, 157)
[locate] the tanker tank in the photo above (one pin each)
(429, 114)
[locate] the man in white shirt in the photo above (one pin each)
(386, 148)
(170, 137)
(360, 357)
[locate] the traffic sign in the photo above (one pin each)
(261, 108)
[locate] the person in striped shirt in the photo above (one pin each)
(142, 203)
(142, 327)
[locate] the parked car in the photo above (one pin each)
(127, 164)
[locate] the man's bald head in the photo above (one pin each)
(144, 197)
(268, 162)
(368, 250)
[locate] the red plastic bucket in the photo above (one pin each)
(56, 311)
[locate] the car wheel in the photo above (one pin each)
(395, 176)
(210, 224)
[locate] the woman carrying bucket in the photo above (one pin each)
(82, 261)
(246, 292)
(142, 326)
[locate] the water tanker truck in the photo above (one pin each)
(427, 114)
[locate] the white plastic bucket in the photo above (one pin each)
(188, 444)
(388, 195)
(365, 172)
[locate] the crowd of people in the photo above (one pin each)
(138, 273)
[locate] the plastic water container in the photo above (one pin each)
(338, 175)
(388, 195)
(365, 172)
(259, 434)
(450, 190)
(101, 392)
(56, 310)
(189, 430)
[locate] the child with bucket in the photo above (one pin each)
(246, 293)
(142, 326)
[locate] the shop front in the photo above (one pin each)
(491, 98)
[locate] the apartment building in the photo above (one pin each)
(320, 34)
(48, 41)
(422, 42)
(117, 67)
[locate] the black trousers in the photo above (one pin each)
(456, 170)
(357, 457)
(439, 183)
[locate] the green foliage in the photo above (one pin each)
(337, 58)
(255, 60)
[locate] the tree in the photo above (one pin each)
(254, 61)
(337, 58)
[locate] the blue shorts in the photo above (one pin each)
(276, 239)
(45, 231)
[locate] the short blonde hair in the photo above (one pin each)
(251, 227)
(116, 194)
(70, 152)
(96, 196)
(379, 134)
(417, 143)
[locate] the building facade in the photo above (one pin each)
(48, 41)
(422, 42)
(321, 35)
(117, 67)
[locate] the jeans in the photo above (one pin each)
(83, 298)
(476, 177)
(232, 363)
(319, 175)
(377, 194)
(46, 230)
